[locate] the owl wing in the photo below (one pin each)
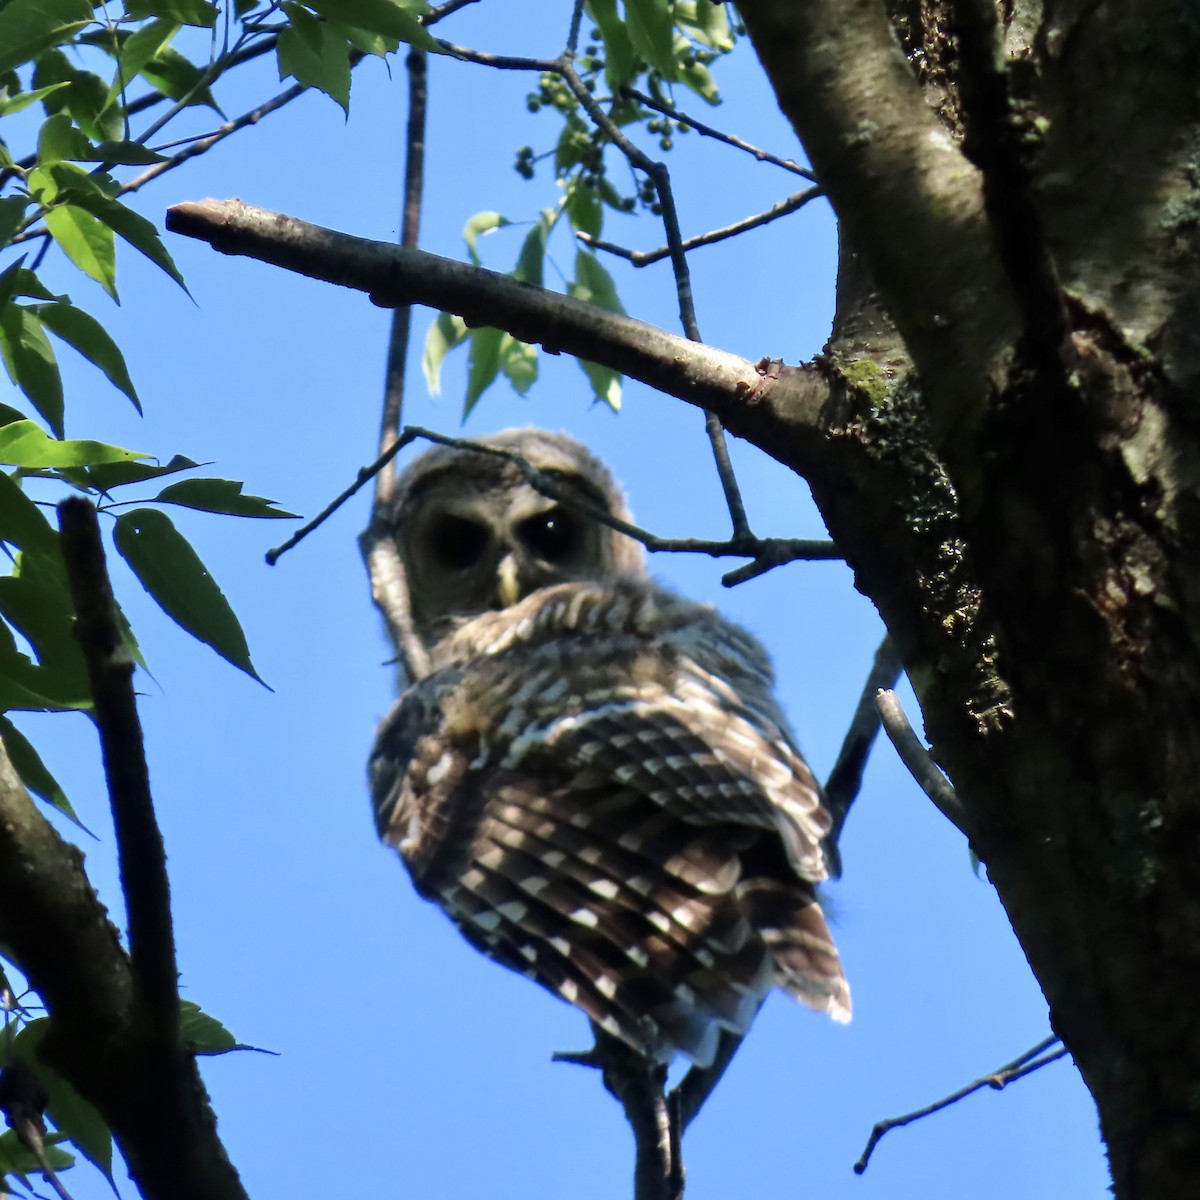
(602, 812)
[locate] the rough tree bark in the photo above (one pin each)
(1003, 436)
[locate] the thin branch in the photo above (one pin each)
(774, 551)
(435, 14)
(142, 859)
(669, 110)
(765, 402)
(639, 1086)
(643, 258)
(845, 779)
(698, 1084)
(920, 766)
(376, 544)
(1032, 1060)
(204, 144)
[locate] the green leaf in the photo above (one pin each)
(171, 571)
(14, 104)
(16, 280)
(309, 50)
(33, 772)
(139, 49)
(364, 40)
(36, 601)
(593, 283)
(25, 444)
(31, 364)
(484, 365)
(445, 333)
(606, 383)
(23, 523)
(87, 241)
(75, 1117)
(83, 332)
(533, 250)
(707, 23)
(392, 18)
(178, 78)
(618, 49)
(27, 27)
(101, 121)
(519, 362)
(15, 1159)
(219, 496)
(105, 477)
(699, 79)
(141, 234)
(481, 223)
(60, 139)
(652, 32)
(583, 208)
(203, 1034)
(12, 213)
(186, 12)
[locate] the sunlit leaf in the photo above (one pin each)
(33, 772)
(481, 223)
(186, 12)
(22, 100)
(87, 241)
(315, 55)
(26, 444)
(445, 333)
(27, 27)
(106, 476)
(219, 496)
(583, 208)
(31, 364)
(618, 49)
(390, 17)
(139, 49)
(605, 382)
(171, 571)
(593, 283)
(84, 333)
(60, 139)
(519, 362)
(533, 250)
(652, 32)
(483, 364)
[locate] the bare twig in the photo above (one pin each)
(1032, 1060)
(639, 1085)
(439, 11)
(698, 1084)
(760, 401)
(643, 258)
(143, 863)
(920, 766)
(378, 548)
(669, 110)
(776, 551)
(846, 777)
(204, 144)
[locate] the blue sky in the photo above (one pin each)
(407, 1063)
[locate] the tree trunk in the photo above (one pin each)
(1010, 464)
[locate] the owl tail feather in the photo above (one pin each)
(792, 925)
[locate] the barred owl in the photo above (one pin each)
(594, 779)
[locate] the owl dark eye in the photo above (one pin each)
(455, 542)
(551, 535)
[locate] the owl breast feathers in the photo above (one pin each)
(597, 785)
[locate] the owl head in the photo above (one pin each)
(473, 536)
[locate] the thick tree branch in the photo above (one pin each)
(778, 408)
(908, 199)
(143, 861)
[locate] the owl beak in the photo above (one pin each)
(508, 586)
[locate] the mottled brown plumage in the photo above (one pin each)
(595, 780)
